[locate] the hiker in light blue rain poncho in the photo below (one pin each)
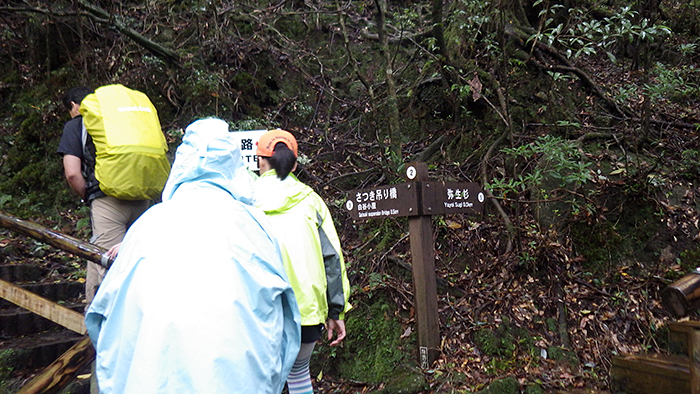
(197, 300)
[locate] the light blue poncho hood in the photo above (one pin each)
(197, 300)
(209, 156)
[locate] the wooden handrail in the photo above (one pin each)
(56, 239)
(61, 372)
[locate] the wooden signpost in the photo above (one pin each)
(419, 199)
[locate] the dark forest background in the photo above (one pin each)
(579, 120)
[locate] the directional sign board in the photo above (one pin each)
(440, 198)
(248, 142)
(419, 199)
(383, 201)
(415, 199)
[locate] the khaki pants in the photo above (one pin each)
(111, 218)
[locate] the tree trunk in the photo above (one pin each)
(392, 101)
(438, 30)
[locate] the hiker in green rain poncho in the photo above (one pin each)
(314, 259)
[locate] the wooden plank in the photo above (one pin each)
(684, 326)
(677, 364)
(62, 371)
(59, 314)
(678, 341)
(679, 336)
(650, 374)
(694, 356)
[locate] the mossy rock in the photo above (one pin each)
(508, 385)
(9, 358)
(505, 341)
(406, 381)
(599, 243)
(534, 389)
(564, 356)
(374, 348)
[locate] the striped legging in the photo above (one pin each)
(299, 379)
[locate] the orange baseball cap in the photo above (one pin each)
(266, 144)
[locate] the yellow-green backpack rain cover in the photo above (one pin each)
(130, 149)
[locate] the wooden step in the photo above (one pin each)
(40, 350)
(23, 358)
(650, 374)
(19, 321)
(22, 272)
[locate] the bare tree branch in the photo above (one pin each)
(102, 16)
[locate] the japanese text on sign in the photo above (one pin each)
(452, 197)
(248, 141)
(367, 200)
(392, 200)
(461, 195)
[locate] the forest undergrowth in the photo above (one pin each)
(594, 209)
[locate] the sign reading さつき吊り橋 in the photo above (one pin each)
(415, 199)
(383, 201)
(248, 142)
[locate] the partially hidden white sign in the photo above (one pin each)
(248, 142)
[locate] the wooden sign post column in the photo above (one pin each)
(424, 280)
(419, 199)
